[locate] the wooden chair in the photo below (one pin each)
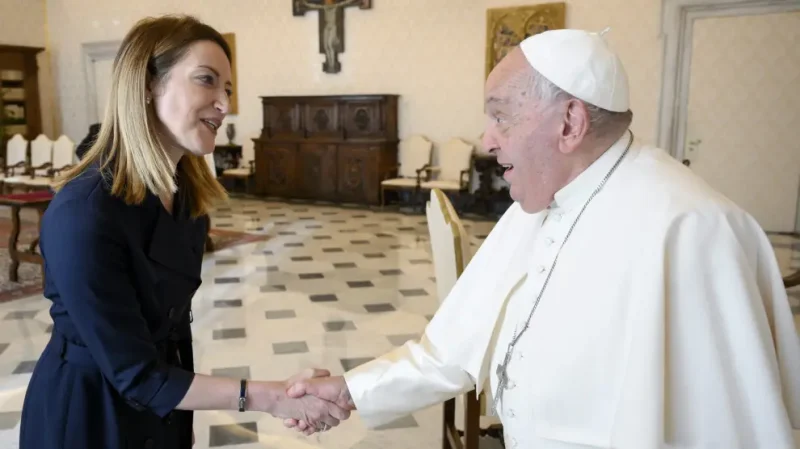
(454, 171)
(62, 157)
(40, 165)
(414, 154)
(451, 251)
(16, 157)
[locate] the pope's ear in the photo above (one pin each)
(575, 125)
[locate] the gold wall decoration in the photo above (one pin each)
(230, 38)
(507, 27)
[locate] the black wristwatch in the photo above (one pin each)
(242, 394)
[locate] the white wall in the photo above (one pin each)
(430, 52)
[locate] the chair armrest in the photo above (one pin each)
(51, 172)
(428, 169)
(46, 166)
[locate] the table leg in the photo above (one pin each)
(13, 268)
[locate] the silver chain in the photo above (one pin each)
(501, 369)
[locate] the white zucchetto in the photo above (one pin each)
(580, 63)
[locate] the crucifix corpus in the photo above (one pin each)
(331, 26)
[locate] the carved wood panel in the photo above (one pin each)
(279, 164)
(357, 172)
(321, 119)
(363, 119)
(316, 171)
(282, 120)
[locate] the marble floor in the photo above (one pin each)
(328, 287)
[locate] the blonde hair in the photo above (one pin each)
(128, 144)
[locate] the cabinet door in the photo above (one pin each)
(321, 120)
(316, 171)
(275, 174)
(282, 120)
(358, 173)
(363, 119)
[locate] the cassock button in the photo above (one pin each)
(511, 413)
(149, 443)
(171, 313)
(549, 241)
(540, 269)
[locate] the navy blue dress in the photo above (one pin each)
(121, 279)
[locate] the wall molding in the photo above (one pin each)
(677, 23)
(93, 52)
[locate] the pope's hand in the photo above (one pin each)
(331, 389)
(317, 414)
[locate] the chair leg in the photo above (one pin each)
(448, 419)
(472, 417)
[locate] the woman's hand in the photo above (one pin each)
(319, 414)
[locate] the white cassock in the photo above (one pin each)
(665, 323)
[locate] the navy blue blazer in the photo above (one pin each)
(121, 279)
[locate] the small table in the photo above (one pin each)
(38, 200)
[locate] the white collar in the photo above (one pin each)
(580, 188)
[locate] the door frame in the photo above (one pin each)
(677, 24)
(94, 52)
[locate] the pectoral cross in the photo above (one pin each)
(331, 26)
(502, 378)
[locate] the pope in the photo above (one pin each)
(620, 302)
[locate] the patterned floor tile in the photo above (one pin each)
(335, 326)
(227, 334)
(227, 303)
(378, 308)
(233, 434)
(21, 314)
(292, 347)
(234, 372)
(9, 420)
(280, 314)
(348, 364)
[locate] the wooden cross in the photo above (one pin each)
(331, 26)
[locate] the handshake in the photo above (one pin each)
(315, 402)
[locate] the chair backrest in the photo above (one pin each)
(449, 242)
(16, 149)
(211, 165)
(413, 154)
(41, 153)
(455, 157)
(63, 152)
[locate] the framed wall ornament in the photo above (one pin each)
(230, 38)
(507, 27)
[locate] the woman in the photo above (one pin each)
(122, 243)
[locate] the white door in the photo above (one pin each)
(743, 123)
(102, 79)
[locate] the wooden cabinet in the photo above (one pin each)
(20, 109)
(332, 148)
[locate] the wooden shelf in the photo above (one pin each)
(19, 71)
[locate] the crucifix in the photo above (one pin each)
(331, 26)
